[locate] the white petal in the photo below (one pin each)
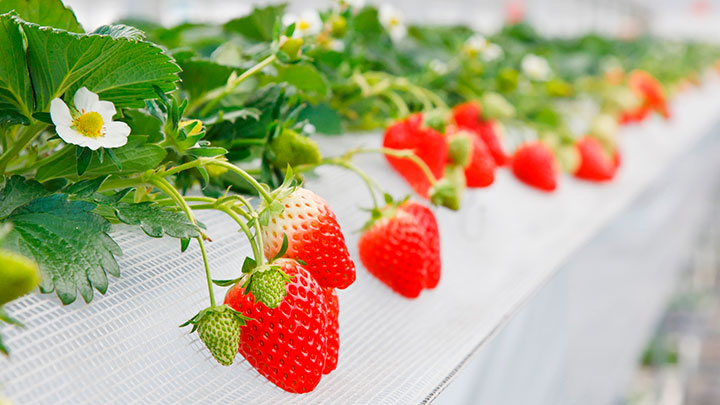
(70, 135)
(94, 143)
(60, 113)
(117, 128)
(106, 109)
(85, 100)
(288, 19)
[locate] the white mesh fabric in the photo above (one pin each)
(506, 242)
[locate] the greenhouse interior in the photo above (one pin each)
(499, 202)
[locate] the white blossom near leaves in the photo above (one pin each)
(475, 45)
(492, 52)
(308, 23)
(393, 21)
(89, 123)
(536, 67)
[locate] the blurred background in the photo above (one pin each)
(672, 18)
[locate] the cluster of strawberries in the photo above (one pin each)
(535, 162)
(294, 343)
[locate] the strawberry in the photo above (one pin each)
(647, 87)
(219, 328)
(595, 163)
(535, 165)
(481, 170)
(18, 276)
(331, 330)
(286, 344)
(402, 248)
(314, 236)
(469, 116)
(291, 148)
(427, 143)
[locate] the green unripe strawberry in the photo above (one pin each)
(291, 46)
(219, 329)
(496, 107)
(568, 157)
(459, 148)
(291, 148)
(268, 286)
(18, 276)
(338, 26)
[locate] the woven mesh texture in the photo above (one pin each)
(126, 347)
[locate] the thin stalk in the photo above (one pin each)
(232, 85)
(207, 272)
(402, 154)
(27, 135)
(345, 162)
(257, 254)
(242, 173)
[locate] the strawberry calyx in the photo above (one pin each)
(388, 211)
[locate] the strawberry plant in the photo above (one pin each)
(144, 125)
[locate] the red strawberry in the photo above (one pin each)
(469, 116)
(490, 134)
(286, 344)
(331, 330)
(646, 86)
(402, 249)
(427, 143)
(481, 170)
(535, 165)
(595, 163)
(314, 237)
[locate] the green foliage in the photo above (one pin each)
(135, 157)
(258, 25)
(16, 93)
(69, 242)
(155, 221)
(47, 13)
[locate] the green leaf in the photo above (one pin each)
(325, 119)
(155, 221)
(19, 191)
(207, 151)
(84, 157)
(248, 265)
(16, 93)
(258, 25)
(119, 70)
(283, 248)
(120, 31)
(69, 242)
(86, 188)
(304, 77)
(50, 13)
(135, 157)
(200, 76)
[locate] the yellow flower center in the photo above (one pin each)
(303, 25)
(89, 124)
(394, 21)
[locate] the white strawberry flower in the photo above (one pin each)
(393, 21)
(492, 52)
(536, 67)
(89, 123)
(308, 23)
(475, 44)
(438, 66)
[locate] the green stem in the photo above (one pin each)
(168, 189)
(231, 167)
(232, 85)
(26, 136)
(257, 254)
(258, 234)
(207, 272)
(402, 154)
(115, 184)
(402, 107)
(345, 162)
